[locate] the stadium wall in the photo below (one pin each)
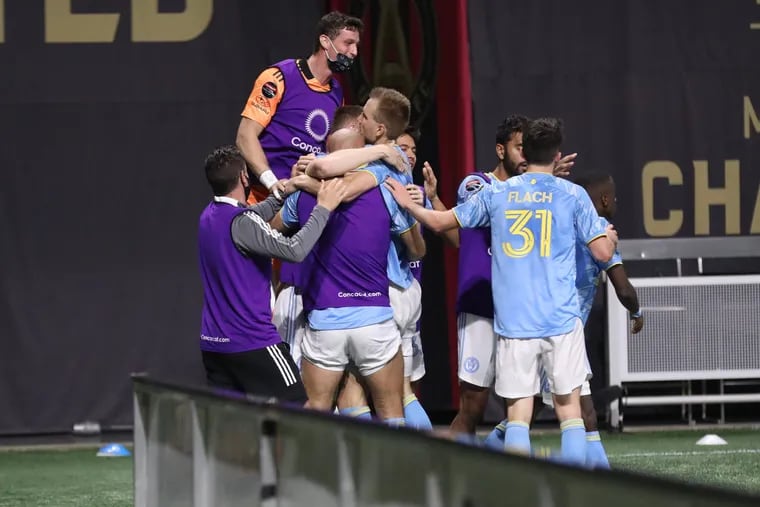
(107, 110)
(663, 95)
(106, 116)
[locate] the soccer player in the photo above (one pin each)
(601, 190)
(346, 117)
(347, 300)
(287, 313)
(289, 110)
(536, 219)
(351, 399)
(414, 362)
(240, 346)
(408, 144)
(475, 311)
(477, 339)
(385, 118)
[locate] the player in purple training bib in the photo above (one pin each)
(240, 346)
(289, 110)
(287, 314)
(346, 298)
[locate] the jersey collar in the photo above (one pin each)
(228, 200)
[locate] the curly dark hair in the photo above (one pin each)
(223, 168)
(511, 124)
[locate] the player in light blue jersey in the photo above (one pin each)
(535, 220)
(601, 190)
(385, 117)
(414, 357)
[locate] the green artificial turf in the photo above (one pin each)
(76, 478)
(674, 454)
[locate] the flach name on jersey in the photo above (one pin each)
(520, 197)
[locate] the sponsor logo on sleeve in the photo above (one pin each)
(262, 105)
(473, 185)
(269, 90)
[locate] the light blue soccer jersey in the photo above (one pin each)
(535, 221)
(289, 210)
(399, 272)
(588, 270)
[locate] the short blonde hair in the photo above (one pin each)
(393, 110)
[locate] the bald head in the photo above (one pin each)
(343, 139)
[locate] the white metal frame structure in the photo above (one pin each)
(697, 328)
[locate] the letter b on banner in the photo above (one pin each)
(149, 25)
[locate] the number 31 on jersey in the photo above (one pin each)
(520, 228)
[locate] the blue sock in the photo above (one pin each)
(517, 438)
(361, 412)
(495, 439)
(573, 442)
(415, 415)
(395, 421)
(595, 455)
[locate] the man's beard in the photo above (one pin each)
(514, 169)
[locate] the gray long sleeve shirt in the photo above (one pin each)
(252, 234)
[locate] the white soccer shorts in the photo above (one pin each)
(546, 393)
(407, 310)
(290, 321)
(418, 359)
(519, 361)
(477, 349)
(369, 347)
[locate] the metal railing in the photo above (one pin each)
(201, 448)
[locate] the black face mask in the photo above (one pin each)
(341, 64)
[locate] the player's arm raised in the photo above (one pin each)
(341, 162)
(627, 295)
(356, 183)
(451, 236)
(437, 221)
(253, 235)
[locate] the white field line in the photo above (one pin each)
(683, 453)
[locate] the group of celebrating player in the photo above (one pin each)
(345, 217)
